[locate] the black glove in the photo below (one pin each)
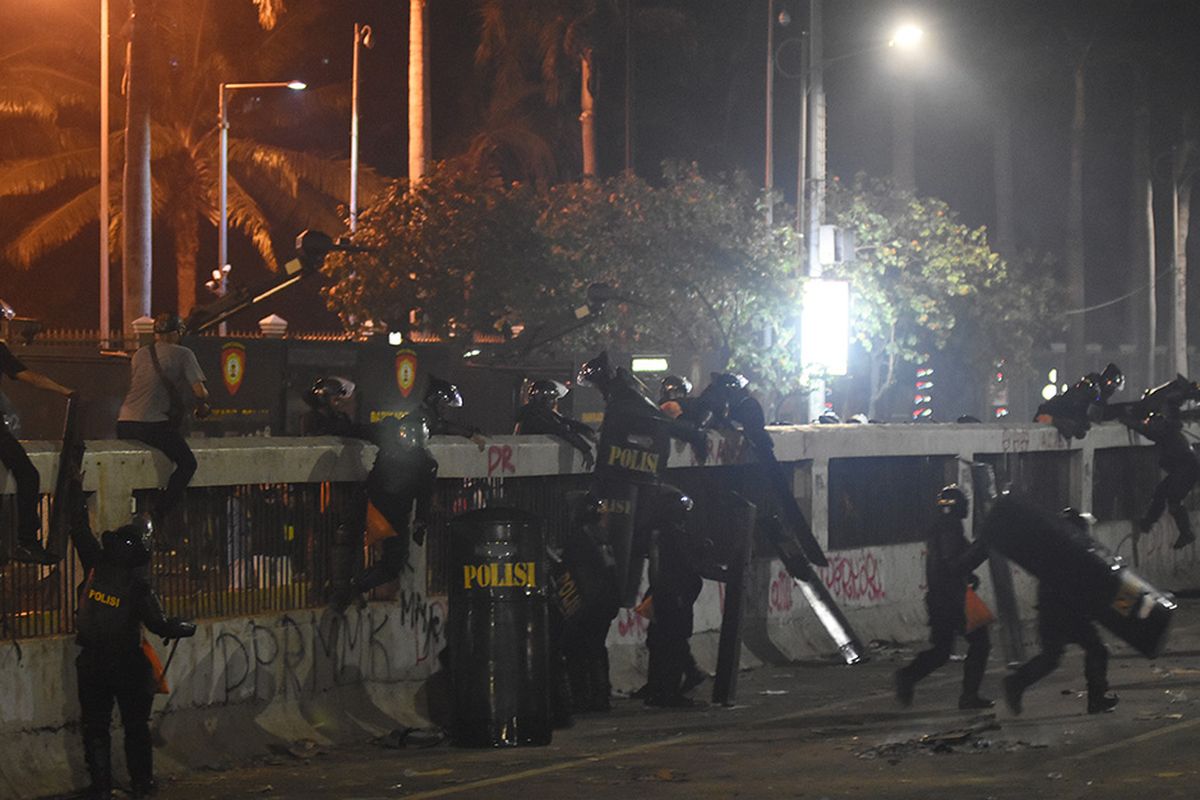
(203, 409)
(973, 580)
(180, 629)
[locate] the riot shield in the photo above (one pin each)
(1091, 580)
(818, 597)
(66, 490)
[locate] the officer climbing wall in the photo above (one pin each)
(949, 562)
(399, 486)
(1157, 417)
(629, 511)
(115, 601)
(1059, 625)
(540, 415)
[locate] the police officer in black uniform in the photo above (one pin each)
(540, 415)
(1178, 461)
(1058, 626)
(631, 513)
(116, 600)
(950, 561)
(326, 415)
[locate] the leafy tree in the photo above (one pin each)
(922, 281)
(49, 94)
(693, 259)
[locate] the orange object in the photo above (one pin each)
(978, 614)
(160, 677)
(378, 527)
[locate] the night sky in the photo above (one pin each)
(699, 95)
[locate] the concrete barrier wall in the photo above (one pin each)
(246, 685)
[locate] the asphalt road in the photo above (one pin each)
(811, 730)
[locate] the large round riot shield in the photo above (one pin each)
(1090, 579)
(499, 629)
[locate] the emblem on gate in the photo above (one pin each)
(406, 371)
(233, 366)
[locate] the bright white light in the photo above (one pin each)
(1052, 376)
(471, 353)
(649, 364)
(825, 325)
(297, 85)
(395, 337)
(907, 37)
(1048, 391)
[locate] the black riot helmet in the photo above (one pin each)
(598, 372)
(129, 545)
(442, 394)
(326, 391)
(952, 502)
(674, 387)
(545, 392)
(169, 322)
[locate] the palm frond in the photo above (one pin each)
(41, 90)
(246, 215)
(54, 228)
(268, 12)
(290, 168)
(32, 175)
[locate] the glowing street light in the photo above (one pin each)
(221, 274)
(907, 37)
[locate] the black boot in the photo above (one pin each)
(1101, 702)
(97, 752)
(601, 689)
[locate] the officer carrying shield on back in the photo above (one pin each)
(115, 600)
(1059, 625)
(630, 512)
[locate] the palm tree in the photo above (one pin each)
(56, 102)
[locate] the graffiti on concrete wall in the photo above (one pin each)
(856, 577)
(301, 654)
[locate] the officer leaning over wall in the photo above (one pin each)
(115, 600)
(540, 415)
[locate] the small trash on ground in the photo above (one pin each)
(667, 775)
(1055, 776)
(773, 691)
(302, 750)
(410, 737)
(957, 740)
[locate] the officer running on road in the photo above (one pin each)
(949, 564)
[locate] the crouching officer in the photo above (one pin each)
(115, 601)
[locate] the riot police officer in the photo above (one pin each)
(1058, 626)
(631, 512)
(439, 396)
(1177, 460)
(673, 395)
(540, 415)
(327, 416)
(949, 564)
(115, 601)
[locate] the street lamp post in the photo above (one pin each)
(223, 123)
(105, 321)
(362, 35)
